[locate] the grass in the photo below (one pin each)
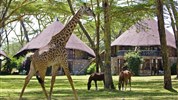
(143, 88)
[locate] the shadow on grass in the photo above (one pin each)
(172, 90)
(84, 94)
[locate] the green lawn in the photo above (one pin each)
(143, 88)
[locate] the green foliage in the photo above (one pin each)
(41, 7)
(134, 10)
(13, 63)
(98, 10)
(16, 63)
(91, 68)
(133, 61)
(42, 13)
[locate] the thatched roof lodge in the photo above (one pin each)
(45, 36)
(78, 52)
(143, 36)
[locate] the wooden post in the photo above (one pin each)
(151, 61)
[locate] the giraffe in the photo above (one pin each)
(54, 54)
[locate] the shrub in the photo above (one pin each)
(12, 63)
(91, 68)
(133, 61)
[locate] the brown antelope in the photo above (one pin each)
(124, 78)
(95, 77)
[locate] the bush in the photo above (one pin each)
(133, 61)
(91, 68)
(12, 63)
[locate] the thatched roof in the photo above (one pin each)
(2, 53)
(149, 36)
(45, 36)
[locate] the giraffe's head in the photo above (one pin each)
(87, 11)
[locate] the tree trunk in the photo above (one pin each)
(97, 39)
(175, 28)
(7, 40)
(25, 30)
(107, 41)
(161, 29)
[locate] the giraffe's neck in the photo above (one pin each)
(63, 36)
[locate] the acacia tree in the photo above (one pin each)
(8, 13)
(162, 35)
(174, 23)
(107, 42)
(97, 21)
(175, 26)
(30, 15)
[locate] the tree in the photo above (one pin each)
(25, 30)
(107, 41)
(7, 11)
(97, 21)
(162, 35)
(29, 14)
(175, 26)
(174, 23)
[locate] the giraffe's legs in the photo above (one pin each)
(66, 70)
(41, 76)
(27, 79)
(54, 72)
